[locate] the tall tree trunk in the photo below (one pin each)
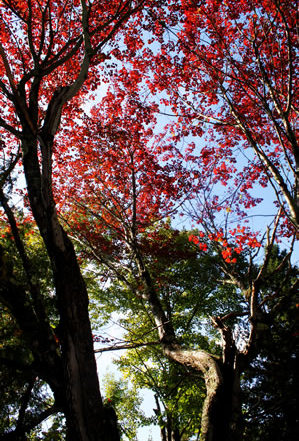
(221, 418)
(86, 418)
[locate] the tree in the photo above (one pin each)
(190, 291)
(122, 229)
(127, 180)
(270, 381)
(233, 67)
(46, 51)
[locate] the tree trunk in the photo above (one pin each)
(221, 413)
(86, 417)
(221, 419)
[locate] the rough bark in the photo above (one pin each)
(206, 364)
(221, 413)
(85, 415)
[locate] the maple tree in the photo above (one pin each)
(234, 85)
(47, 50)
(116, 220)
(115, 179)
(210, 81)
(233, 70)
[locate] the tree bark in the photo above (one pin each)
(85, 415)
(221, 413)
(222, 420)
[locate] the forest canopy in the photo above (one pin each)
(149, 174)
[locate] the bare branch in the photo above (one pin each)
(118, 347)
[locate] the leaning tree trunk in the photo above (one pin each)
(221, 413)
(87, 419)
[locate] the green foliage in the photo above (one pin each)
(40, 268)
(190, 288)
(189, 283)
(126, 401)
(271, 383)
(20, 388)
(15, 370)
(179, 393)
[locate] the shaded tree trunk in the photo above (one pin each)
(86, 417)
(222, 419)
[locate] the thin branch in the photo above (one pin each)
(24, 403)
(33, 421)
(118, 347)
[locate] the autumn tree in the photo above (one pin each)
(228, 66)
(233, 86)
(120, 202)
(233, 70)
(47, 50)
(226, 72)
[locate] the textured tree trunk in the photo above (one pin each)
(221, 413)
(221, 419)
(86, 418)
